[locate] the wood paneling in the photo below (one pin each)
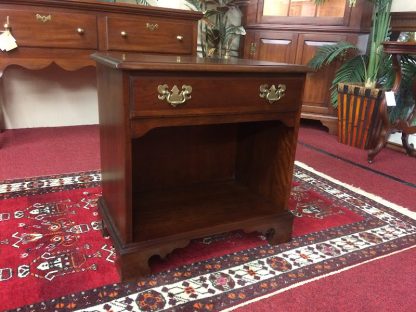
(277, 46)
(295, 39)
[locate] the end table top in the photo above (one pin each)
(140, 61)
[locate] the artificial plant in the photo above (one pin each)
(216, 31)
(373, 69)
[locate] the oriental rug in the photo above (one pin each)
(53, 257)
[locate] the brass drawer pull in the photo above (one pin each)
(152, 27)
(43, 18)
(6, 25)
(80, 31)
(123, 34)
(180, 38)
(175, 96)
(272, 94)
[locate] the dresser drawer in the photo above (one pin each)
(212, 94)
(43, 28)
(149, 34)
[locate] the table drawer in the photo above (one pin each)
(43, 28)
(212, 94)
(149, 34)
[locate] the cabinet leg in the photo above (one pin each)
(275, 237)
(410, 150)
(132, 266)
(381, 143)
(104, 231)
(332, 126)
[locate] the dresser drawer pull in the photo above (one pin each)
(175, 96)
(152, 27)
(180, 38)
(43, 18)
(123, 34)
(272, 94)
(80, 31)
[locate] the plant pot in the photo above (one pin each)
(360, 120)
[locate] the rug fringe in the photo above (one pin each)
(398, 208)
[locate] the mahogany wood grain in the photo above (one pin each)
(68, 32)
(242, 94)
(150, 34)
(178, 176)
(295, 40)
(45, 27)
(115, 148)
(277, 46)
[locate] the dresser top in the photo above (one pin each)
(139, 61)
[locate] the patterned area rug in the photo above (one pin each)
(51, 247)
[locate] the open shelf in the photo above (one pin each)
(196, 208)
(192, 181)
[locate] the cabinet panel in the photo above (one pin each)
(276, 46)
(317, 97)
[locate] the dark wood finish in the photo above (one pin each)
(73, 29)
(295, 40)
(146, 104)
(174, 174)
(150, 34)
(52, 28)
(403, 21)
(397, 49)
(68, 32)
(276, 46)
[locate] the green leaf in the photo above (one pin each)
(326, 54)
(352, 71)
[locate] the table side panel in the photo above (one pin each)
(115, 149)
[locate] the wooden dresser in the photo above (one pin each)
(67, 32)
(193, 147)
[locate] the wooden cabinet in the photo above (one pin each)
(68, 32)
(293, 33)
(216, 159)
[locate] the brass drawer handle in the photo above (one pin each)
(272, 94)
(43, 18)
(174, 97)
(80, 31)
(6, 25)
(179, 37)
(123, 34)
(152, 27)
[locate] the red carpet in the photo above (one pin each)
(59, 150)
(44, 151)
(50, 233)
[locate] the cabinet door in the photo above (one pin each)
(275, 46)
(316, 98)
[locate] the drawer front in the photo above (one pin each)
(212, 94)
(43, 28)
(148, 34)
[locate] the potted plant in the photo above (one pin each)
(357, 89)
(217, 32)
